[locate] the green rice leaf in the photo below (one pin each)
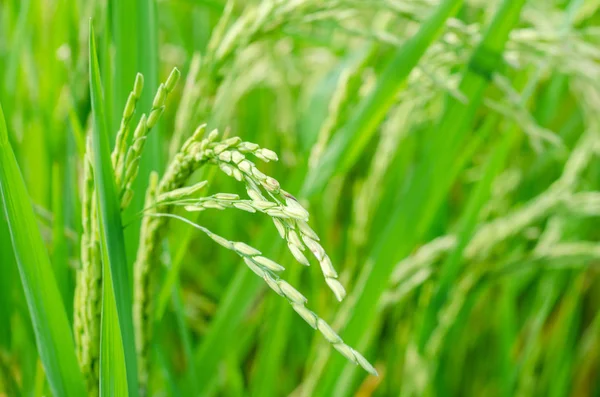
(51, 326)
(144, 35)
(118, 368)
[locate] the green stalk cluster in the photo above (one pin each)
(88, 289)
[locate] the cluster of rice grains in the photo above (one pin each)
(169, 192)
(265, 196)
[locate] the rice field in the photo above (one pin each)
(299, 198)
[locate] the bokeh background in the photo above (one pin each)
(450, 165)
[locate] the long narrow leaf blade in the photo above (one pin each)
(51, 326)
(145, 39)
(118, 367)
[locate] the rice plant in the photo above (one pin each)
(305, 198)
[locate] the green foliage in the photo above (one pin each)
(446, 150)
(53, 335)
(118, 369)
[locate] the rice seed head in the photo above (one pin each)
(298, 255)
(276, 212)
(273, 284)
(280, 227)
(291, 293)
(221, 241)
(140, 129)
(138, 146)
(194, 208)
(258, 174)
(327, 267)
(155, 116)
(237, 174)
(182, 193)
(245, 166)
(126, 199)
(328, 332)
(132, 169)
(294, 208)
(195, 138)
(287, 213)
(87, 301)
(292, 202)
(244, 207)
(255, 196)
(268, 154)
(294, 213)
(172, 79)
(336, 287)
(268, 263)
(233, 141)
(257, 154)
(220, 148)
(160, 97)
(245, 249)
(263, 205)
(256, 269)
(195, 188)
(213, 135)
(226, 169)
(346, 351)
(129, 106)
(199, 153)
(120, 151)
(306, 314)
(247, 147)
(226, 196)
(271, 184)
(237, 157)
(225, 156)
(315, 248)
(364, 363)
(294, 239)
(212, 205)
(138, 85)
(307, 231)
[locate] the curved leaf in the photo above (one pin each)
(118, 367)
(52, 331)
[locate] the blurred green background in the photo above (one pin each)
(448, 153)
